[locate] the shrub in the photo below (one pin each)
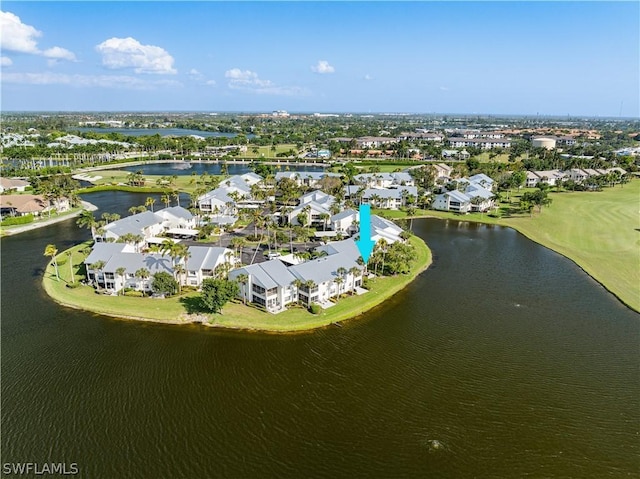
(315, 308)
(17, 220)
(73, 285)
(135, 294)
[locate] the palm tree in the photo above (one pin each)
(120, 272)
(411, 211)
(87, 220)
(70, 259)
(242, 279)
(354, 271)
(176, 196)
(166, 200)
(324, 217)
(179, 269)
(150, 202)
(309, 285)
(383, 248)
(97, 266)
(52, 251)
(142, 274)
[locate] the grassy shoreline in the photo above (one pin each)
(598, 231)
(235, 315)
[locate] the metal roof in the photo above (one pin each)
(134, 224)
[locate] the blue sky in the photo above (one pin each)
(551, 58)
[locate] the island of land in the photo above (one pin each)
(183, 309)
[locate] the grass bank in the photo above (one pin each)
(178, 310)
(599, 231)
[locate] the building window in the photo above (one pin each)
(258, 289)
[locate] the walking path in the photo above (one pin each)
(14, 230)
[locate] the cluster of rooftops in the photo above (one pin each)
(123, 255)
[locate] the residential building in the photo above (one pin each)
(305, 178)
(452, 201)
(13, 184)
(345, 222)
(385, 180)
(315, 205)
(391, 198)
(483, 143)
(21, 205)
(143, 225)
(202, 262)
(269, 284)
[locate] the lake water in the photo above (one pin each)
(502, 360)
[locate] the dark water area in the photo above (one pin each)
(212, 168)
(501, 360)
(158, 131)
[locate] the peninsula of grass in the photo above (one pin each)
(184, 309)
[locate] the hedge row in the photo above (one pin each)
(17, 220)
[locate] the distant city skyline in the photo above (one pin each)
(578, 59)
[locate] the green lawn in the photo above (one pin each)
(600, 231)
(235, 315)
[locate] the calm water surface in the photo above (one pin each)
(505, 353)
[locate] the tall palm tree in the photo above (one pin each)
(97, 266)
(143, 275)
(87, 220)
(150, 202)
(120, 272)
(324, 217)
(383, 248)
(243, 279)
(166, 199)
(70, 259)
(176, 196)
(309, 284)
(52, 251)
(354, 271)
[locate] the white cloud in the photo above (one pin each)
(5, 62)
(250, 81)
(20, 37)
(444, 88)
(368, 77)
(195, 74)
(104, 81)
(130, 53)
(323, 67)
(58, 53)
(210, 82)
(17, 36)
